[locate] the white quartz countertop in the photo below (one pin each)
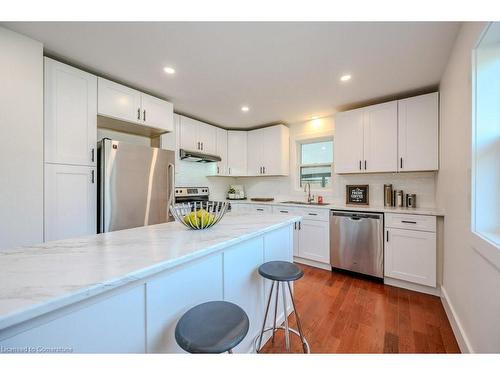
(38, 279)
(333, 206)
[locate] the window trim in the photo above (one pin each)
(484, 246)
(299, 141)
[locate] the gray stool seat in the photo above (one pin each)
(280, 271)
(212, 327)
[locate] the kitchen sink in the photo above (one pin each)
(307, 204)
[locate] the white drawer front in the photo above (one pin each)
(314, 214)
(409, 221)
(260, 208)
(285, 210)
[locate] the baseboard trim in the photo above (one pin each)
(456, 326)
(312, 263)
(412, 286)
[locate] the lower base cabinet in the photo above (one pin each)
(410, 254)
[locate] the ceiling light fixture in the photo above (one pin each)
(169, 70)
(245, 108)
(345, 77)
(314, 117)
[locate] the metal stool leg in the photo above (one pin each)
(275, 310)
(265, 316)
(304, 346)
(287, 332)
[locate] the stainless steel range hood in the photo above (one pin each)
(198, 156)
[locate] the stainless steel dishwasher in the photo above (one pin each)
(357, 242)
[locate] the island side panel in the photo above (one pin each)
(244, 286)
(115, 324)
(172, 293)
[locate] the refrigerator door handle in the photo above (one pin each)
(171, 175)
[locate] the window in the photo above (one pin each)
(486, 138)
(315, 163)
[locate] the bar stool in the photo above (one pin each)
(212, 327)
(280, 273)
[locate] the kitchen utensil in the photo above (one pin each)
(411, 200)
(388, 195)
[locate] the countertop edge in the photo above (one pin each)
(34, 311)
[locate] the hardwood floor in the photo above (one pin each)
(344, 314)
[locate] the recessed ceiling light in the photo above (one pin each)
(345, 77)
(314, 117)
(169, 70)
(245, 108)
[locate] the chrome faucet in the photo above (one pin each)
(307, 188)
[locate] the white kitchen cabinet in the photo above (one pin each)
(157, 113)
(70, 111)
(268, 151)
(418, 133)
(120, 102)
(314, 240)
(410, 254)
(348, 142)
(236, 152)
(197, 136)
(380, 138)
(221, 150)
(70, 201)
(171, 294)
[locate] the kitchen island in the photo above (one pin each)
(124, 291)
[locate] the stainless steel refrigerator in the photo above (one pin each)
(135, 185)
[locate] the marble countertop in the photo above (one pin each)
(334, 206)
(37, 279)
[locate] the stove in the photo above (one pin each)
(197, 197)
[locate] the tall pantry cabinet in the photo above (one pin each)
(70, 155)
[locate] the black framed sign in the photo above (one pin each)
(357, 194)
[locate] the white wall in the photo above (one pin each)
(281, 188)
(471, 284)
(21, 132)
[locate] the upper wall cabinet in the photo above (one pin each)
(418, 133)
(197, 136)
(395, 136)
(268, 151)
(70, 115)
(123, 103)
(221, 141)
(237, 153)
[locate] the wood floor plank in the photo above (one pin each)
(345, 314)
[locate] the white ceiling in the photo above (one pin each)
(282, 71)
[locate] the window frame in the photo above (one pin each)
(487, 248)
(302, 141)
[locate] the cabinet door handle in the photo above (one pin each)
(408, 222)
(264, 170)
(401, 163)
(144, 115)
(260, 209)
(138, 113)
(229, 170)
(387, 236)
(201, 145)
(360, 165)
(299, 225)
(260, 170)
(92, 179)
(295, 226)
(312, 214)
(284, 211)
(365, 165)
(217, 169)
(92, 154)
(197, 145)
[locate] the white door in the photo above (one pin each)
(188, 129)
(380, 138)
(348, 142)
(410, 256)
(207, 135)
(418, 133)
(70, 201)
(254, 152)
(118, 101)
(237, 152)
(221, 150)
(157, 113)
(70, 115)
(314, 241)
